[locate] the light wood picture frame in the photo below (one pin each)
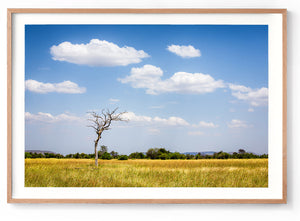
(14, 195)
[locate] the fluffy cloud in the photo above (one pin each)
(146, 77)
(184, 51)
(171, 121)
(256, 97)
(130, 116)
(237, 124)
(149, 77)
(240, 88)
(206, 124)
(67, 87)
(97, 53)
(49, 118)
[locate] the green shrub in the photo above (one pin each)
(28, 155)
(163, 156)
(123, 157)
(137, 155)
(106, 156)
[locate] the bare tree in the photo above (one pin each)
(101, 122)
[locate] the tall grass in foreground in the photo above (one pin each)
(146, 173)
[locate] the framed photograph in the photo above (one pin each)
(146, 106)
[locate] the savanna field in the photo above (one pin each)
(146, 173)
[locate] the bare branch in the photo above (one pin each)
(92, 126)
(101, 122)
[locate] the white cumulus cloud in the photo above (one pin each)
(238, 124)
(49, 118)
(67, 87)
(149, 77)
(256, 97)
(206, 124)
(130, 116)
(184, 51)
(97, 53)
(171, 121)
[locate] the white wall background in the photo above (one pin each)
(290, 211)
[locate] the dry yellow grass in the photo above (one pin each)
(146, 173)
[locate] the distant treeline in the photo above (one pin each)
(152, 153)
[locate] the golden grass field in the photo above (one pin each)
(146, 173)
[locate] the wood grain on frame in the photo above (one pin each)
(144, 11)
(9, 110)
(284, 106)
(10, 199)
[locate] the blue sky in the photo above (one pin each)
(184, 87)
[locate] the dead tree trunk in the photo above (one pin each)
(96, 152)
(96, 145)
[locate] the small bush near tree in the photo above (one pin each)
(106, 156)
(123, 157)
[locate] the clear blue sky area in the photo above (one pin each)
(187, 88)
